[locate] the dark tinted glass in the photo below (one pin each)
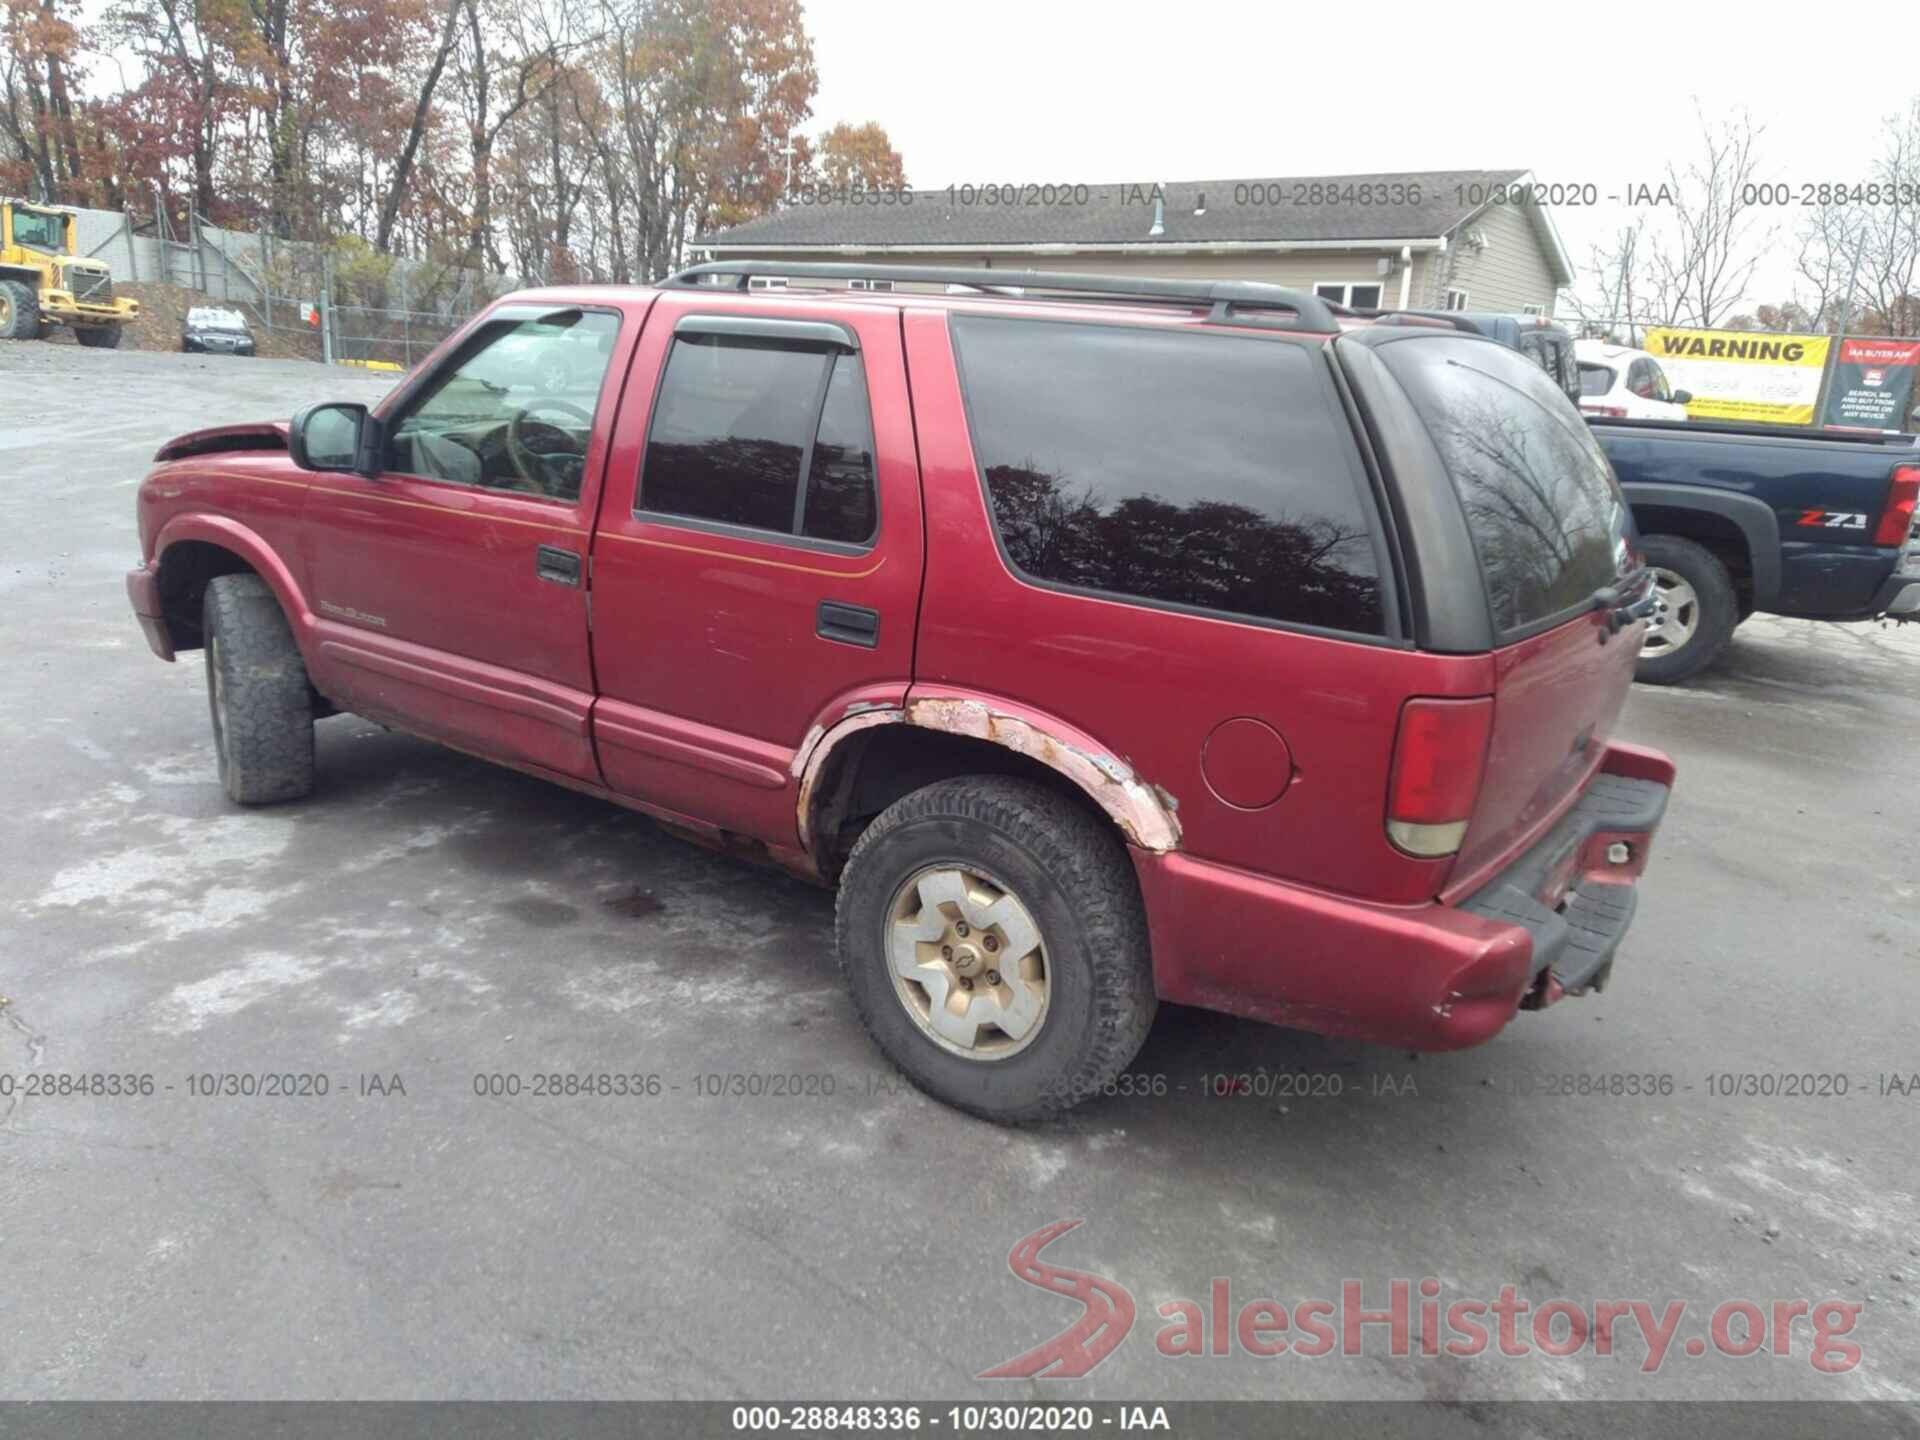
(728, 431)
(840, 475)
(1200, 470)
(1595, 379)
(1547, 518)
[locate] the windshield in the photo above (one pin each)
(41, 229)
(202, 317)
(1547, 518)
(1595, 379)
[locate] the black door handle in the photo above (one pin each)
(562, 567)
(848, 624)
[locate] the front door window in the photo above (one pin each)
(515, 412)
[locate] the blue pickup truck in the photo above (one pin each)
(1742, 518)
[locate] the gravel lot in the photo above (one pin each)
(427, 919)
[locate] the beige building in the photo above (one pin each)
(1455, 239)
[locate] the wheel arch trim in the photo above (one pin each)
(261, 558)
(1143, 811)
(1752, 517)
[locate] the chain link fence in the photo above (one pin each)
(340, 302)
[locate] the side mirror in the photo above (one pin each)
(1683, 397)
(333, 437)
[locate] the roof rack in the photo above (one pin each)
(1430, 318)
(1223, 297)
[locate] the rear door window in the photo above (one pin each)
(1547, 518)
(763, 434)
(1203, 472)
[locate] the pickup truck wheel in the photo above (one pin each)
(1698, 610)
(993, 938)
(19, 311)
(257, 692)
(98, 337)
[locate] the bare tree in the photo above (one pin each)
(1612, 299)
(1699, 266)
(402, 175)
(1860, 247)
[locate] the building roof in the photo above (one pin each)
(1364, 210)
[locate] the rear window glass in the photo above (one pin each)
(1190, 470)
(1595, 379)
(1547, 518)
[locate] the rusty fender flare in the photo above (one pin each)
(1143, 811)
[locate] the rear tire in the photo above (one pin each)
(1085, 997)
(1702, 609)
(98, 337)
(257, 693)
(19, 311)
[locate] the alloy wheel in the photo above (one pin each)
(968, 962)
(1676, 617)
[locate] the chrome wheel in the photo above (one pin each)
(1676, 617)
(968, 963)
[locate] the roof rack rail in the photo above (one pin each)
(1223, 297)
(1431, 318)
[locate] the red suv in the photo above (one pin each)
(1103, 641)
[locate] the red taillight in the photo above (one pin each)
(1897, 518)
(1438, 759)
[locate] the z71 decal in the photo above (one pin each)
(1832, 519)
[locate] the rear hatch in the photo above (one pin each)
(1553, 538)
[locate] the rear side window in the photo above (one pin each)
(1204, 471)
(1595, 379)
(1547, 518)
(764, 434)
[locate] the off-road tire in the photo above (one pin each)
(98, 337)
(1072, 873)
(257, 694)
(1719, 609)
(21, 307)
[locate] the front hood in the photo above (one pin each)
(217, 439)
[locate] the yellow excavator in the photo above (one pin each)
(45, 281)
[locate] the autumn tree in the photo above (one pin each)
(37, 116)
(704, 95)
(588, 138)
(859, 157)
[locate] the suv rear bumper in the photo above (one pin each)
(1430, 977)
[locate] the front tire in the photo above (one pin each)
(993, 938)
(19, 311)
(1699, 611)
(257, 693)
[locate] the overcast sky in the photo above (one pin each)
(1041, 90)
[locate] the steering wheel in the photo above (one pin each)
(529, 461)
